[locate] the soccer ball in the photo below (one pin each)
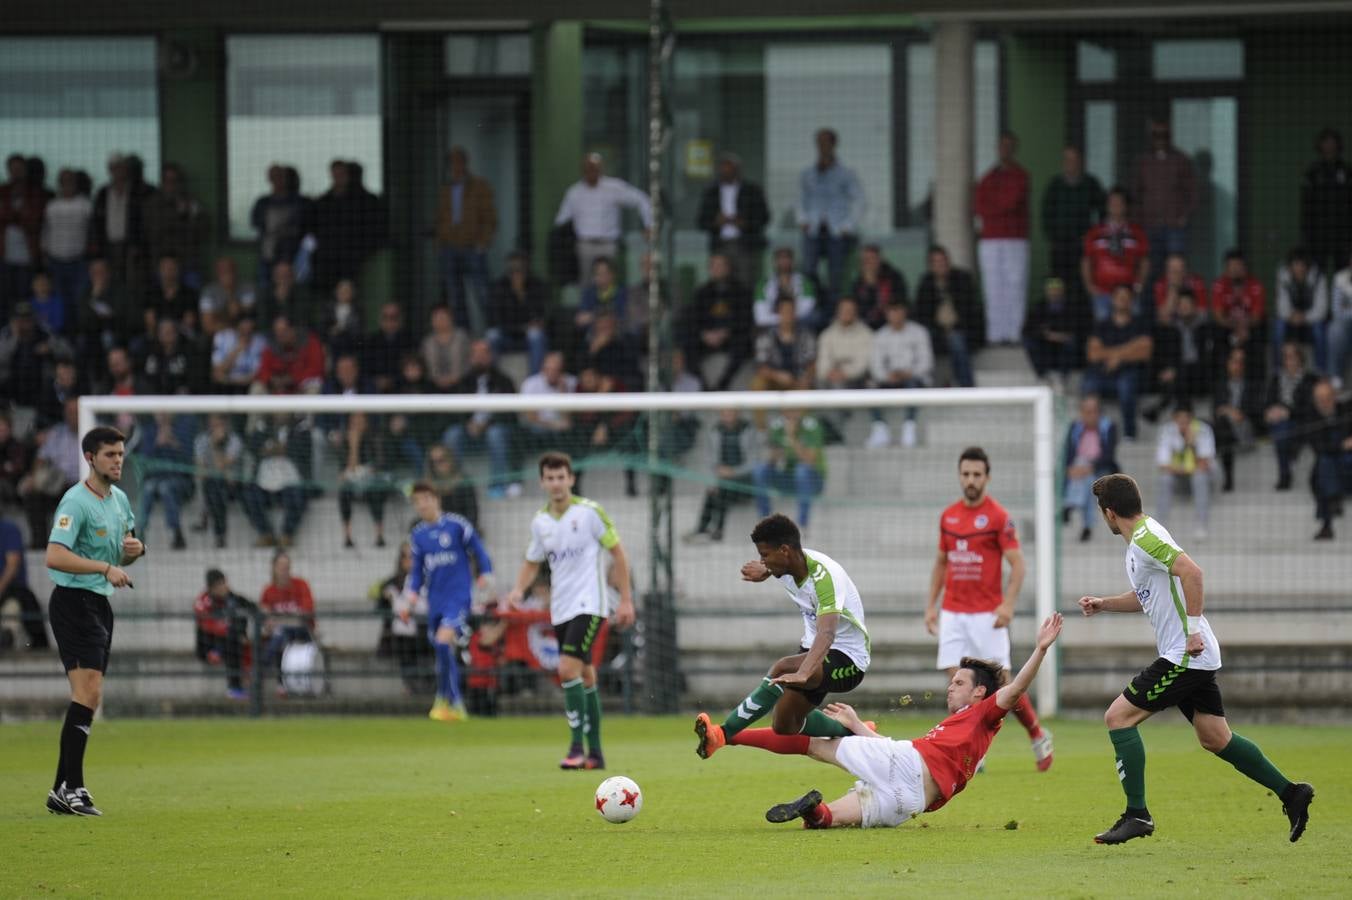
(618, 799)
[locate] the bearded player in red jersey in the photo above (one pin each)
(976, 536)
(901, 779)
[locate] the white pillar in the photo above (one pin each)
(953, 129)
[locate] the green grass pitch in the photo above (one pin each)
(311, 807)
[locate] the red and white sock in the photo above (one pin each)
(767, 739)
(1028, 717)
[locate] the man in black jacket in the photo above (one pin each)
(1330, 430)
(946, 303)
(485, 429)
(1326, 204)
(518, 311)
(719, 321)
(1237, 404)
(734, 214)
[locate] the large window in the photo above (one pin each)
(299, 101)
(75, 101)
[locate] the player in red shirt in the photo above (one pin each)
(901, 779)
(976, 536)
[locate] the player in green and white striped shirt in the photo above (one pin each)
(835, 646)
(1167, 586)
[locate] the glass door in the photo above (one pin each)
(491, 129)
(1207, 130)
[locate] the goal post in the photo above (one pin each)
(1026, 410)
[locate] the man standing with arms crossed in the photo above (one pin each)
(92, 537)
(570, 532)
(976, 535)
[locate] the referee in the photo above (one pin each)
(92, 538)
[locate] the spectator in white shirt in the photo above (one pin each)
(236, 354)
(594, 205)
(787, 282)
(551, 379)
(1340, 327)
(65, 237)
(903, 357)
(844, 349)
(1186, 456)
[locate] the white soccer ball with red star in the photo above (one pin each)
(618, 799)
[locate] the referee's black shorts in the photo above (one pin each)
(82, 623)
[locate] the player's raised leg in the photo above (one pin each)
(1214, 734)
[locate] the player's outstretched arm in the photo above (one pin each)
(1009, 695)
(1124, 602)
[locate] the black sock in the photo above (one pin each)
(1141, 813)
(74, 736)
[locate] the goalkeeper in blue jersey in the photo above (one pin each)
(442, 544)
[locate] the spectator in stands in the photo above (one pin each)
(172, 365)
(367, 457)
(218, 451)
(169, 299)
(283, 296)
(877, 286)
(547, 427)
(1117, 353)
(385, 347)
(1186, 458)
(1001, 205)
(1072, 203)
(1326, 204)
(293, 362)
(66, 384)
(1049, 335)
(1183, 355)
(442, 471)
(786, 356)
(237, 355)
(467, 221)
(519, 311)
(281, 218)
(731, 451)
(784, 281)
(21, 212)
(281, 446)
(1238, 295)
(1330, 437)
(226, 296)
(122, 380)
(48, 306)
(163, 444)
(176, 224)
(1090, 452)
(289, 607)
(341, 324)
(349, 224)
(16, 455)
(634, 325)
(795, 462)
(1116, 252)
(106, 316)
(1340, 326)
(223, 630)
(593, 205)
(1302, 306)
(117, 229)
(675, 440)
(732, 211)
(494, 430)
(1238, 412)
(604, 432)
(1171, 283)
(612, 353)
(946, 303)
(445, 349)
(1166, 189)
(403, 626)
(1287, 408)
(14, 587)
(720, 322)
(1241, 334)
(844, 349)
(602, 293)
(901, 356)
(831, 205)
(65, 237)
(55, 468)
(28, 353)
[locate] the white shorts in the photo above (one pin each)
(971, 634)
(891, 785)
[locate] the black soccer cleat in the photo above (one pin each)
(1126, 828)
(80, 803)
(797, 809)
(1296, 805)
(56, 803)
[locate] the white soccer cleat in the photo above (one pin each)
(878, 436)
(1042, 750)
(908, 433)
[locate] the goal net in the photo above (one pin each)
(684, 476)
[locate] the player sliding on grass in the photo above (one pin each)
(1167, 586)
(901, 779)
(835, 648)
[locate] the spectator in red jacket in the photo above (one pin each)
(222, 628)
(289, 607)
(293, 363)
(1237, 294)
(1116, 252)
(1171, 283)
(1001, 202)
